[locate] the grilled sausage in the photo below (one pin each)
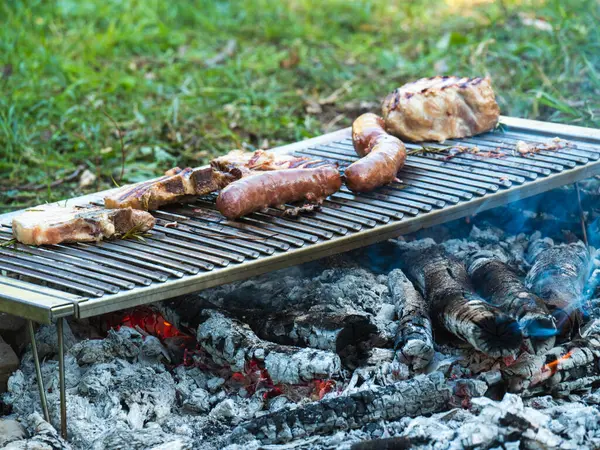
(276, 188)
(382, 155)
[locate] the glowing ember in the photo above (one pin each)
(151, 322)
(553, 366)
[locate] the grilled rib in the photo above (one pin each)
(440, 108)
(56, 225)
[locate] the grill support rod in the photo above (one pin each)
(61, 377)
(38, 372)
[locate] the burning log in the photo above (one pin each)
(558, 275)
(558, 369)
(317, 328)
(231, 342)
(424, 394)
(444, 283)
(414, 338)
(498, 284)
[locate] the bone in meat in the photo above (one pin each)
(231, 342)
(56, 225)
(443, 281)
(499, 285)
(441, 108)
(414, 339)
(177, 185)
(558, 276)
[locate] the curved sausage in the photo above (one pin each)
(277, 187)
(382, 155)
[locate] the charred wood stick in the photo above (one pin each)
(316, 328)
(414, 339)
(567, 362)
(558, 275)
(233, 343)
(444, 283)
(499, 285)
(424, 394)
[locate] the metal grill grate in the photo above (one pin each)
(203, 249)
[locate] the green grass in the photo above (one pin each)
(300, 68)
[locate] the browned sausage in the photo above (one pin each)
(276, 188)
(382, 155)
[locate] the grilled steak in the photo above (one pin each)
(56, 225)
(440, 108)
(182, 184)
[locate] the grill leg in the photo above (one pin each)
(38, 372)
(61, 376)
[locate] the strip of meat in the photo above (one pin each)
(454, 305)
(498, 284)
(240, 163)
(277, 187)
(440, 108)
(179, 185)
(56, 225)
(382, 155)
(558, 276)
(415, 337)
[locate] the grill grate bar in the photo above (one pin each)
(212, 219)
(167, 257)
(44, 278)
(45, 269)
(374, 217)
(248, 248)
(511, 140)
(224, 230)
(127, 281)
(115, 263)
(112, 284)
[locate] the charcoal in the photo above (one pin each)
(423, 394)
(443, 281)
(414, 339)
(573, 360)
(500, 286)
(558, 275)
(233, 343)
(316, 328)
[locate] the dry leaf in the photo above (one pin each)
(292, 59)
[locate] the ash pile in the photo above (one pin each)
(467, 335)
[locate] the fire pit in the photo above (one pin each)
(336, 351)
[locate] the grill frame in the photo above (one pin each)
(44, 304)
